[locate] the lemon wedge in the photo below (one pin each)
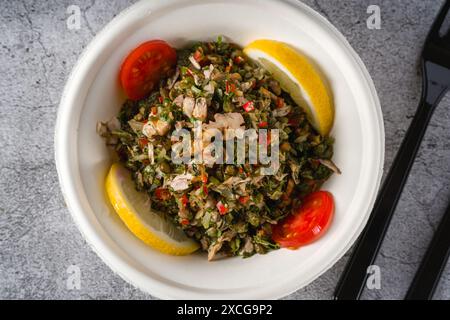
(299, 77)
(133, 208)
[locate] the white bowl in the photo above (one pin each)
(92, 93)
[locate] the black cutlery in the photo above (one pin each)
(436, 82)
(433, 263)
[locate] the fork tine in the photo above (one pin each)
(440, 19)
(446, 37)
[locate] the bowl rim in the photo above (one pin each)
(91, 229)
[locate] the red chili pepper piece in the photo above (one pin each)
(244, 199)
(184, 200)
(263, 124)
(248, 106)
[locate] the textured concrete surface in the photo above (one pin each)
(39, 241)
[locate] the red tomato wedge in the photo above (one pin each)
(145, 66)
(308, 224)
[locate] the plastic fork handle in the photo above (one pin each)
(430, 270)
(353, 280)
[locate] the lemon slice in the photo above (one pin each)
(299, 77)
(134, 209)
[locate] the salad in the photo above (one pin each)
(230, 209)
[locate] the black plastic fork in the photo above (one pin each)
(435, 83)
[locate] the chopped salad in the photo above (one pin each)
(230, 209)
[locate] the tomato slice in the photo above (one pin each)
(308, 224)
(145, 66)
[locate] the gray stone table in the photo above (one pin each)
(38, 239)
